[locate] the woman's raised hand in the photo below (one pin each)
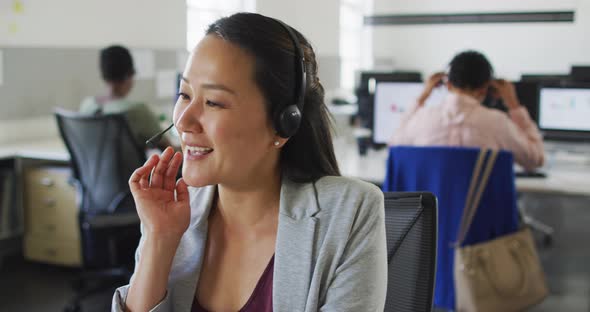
(163, 213)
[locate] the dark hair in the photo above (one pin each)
(470, 70)
(309, 154)
(116, 63)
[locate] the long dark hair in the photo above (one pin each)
(309, 154)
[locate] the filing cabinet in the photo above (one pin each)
(52, 234)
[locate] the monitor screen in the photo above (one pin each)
(365, 93)
(392, 99)
(564, 108)
(528, 96)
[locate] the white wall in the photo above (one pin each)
(513, 49)
(81, 23)
(317, 20)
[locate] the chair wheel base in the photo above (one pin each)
(73, 307)
(547, 240)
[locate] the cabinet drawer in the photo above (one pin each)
(45, 180)
(50, 203)
(66, 253)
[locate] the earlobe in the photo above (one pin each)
(279, 142)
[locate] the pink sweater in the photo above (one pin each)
(461, 120)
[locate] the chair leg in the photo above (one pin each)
(73, 306)
(92, 282)
(537, 225)
(541, 227)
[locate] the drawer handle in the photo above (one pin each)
(47, 182)
(49, 202)
(51, 252)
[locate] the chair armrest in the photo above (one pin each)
(111, 220)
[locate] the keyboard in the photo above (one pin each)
(530, 174)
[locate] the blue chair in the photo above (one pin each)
(446, 172)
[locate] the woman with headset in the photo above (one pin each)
(262, 219)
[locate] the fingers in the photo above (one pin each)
(499, 83)
(170, 178)
(139, 178)
(438, 76)
(435, 80)
(181, 190)
(159, 173)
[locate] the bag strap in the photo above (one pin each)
(473, 199)
(474, 177)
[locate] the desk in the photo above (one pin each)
(561, 179)
(15, 158)
(51, 149)
(567, 180)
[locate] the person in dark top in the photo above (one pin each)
(117, 70)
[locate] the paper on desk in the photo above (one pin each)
(145, 63)
(166, 83)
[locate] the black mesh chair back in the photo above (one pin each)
(103, 154)
(410, 226)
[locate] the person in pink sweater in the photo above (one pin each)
(462, 120)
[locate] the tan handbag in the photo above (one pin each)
(503, 274)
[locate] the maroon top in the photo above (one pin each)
(261, 298)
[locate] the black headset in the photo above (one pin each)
(288, 119)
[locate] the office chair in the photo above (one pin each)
(103, 156)
(410, 227)
(446, 172)
(535, 224)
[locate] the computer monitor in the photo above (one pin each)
(580, 73)
(564, 112)
(392, 100)
(527, 90)
(546, 78)
(528, 96)
(368, 79)
(365, 92)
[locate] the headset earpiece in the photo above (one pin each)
(288, 119)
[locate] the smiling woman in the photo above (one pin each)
(261, 220)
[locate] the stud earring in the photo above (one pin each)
(277, 143)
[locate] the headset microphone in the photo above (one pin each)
(156, 138)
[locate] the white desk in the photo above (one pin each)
(50, 149)
(566, 180)
(370, 167)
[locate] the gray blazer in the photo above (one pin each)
(330, 250)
